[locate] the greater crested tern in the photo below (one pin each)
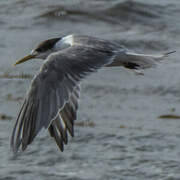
(52, 100)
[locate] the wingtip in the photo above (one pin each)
(24, 147)
(13, 147)
(14, 150)
(168, 53)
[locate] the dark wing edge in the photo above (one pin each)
(51, 95)
(65, 120)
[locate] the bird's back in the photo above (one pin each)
(96, 43)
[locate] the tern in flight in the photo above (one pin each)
(52, 100)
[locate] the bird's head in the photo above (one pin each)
(43, 50)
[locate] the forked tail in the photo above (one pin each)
(138, 62)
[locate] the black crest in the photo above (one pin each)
(47, 44)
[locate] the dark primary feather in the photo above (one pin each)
(51, 94)
(65, 121)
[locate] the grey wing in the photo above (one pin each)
(53, 93)
(124, 57)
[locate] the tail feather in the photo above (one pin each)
(138, 62)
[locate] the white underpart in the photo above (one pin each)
(64, 42)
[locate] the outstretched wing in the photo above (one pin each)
(128, 59)
(52, 99)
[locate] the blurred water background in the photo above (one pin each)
(118, 135)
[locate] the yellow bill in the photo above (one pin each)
(24, 59)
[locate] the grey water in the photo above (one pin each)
(118, 135)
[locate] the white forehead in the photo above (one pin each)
(33, 52)
(65, 41)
